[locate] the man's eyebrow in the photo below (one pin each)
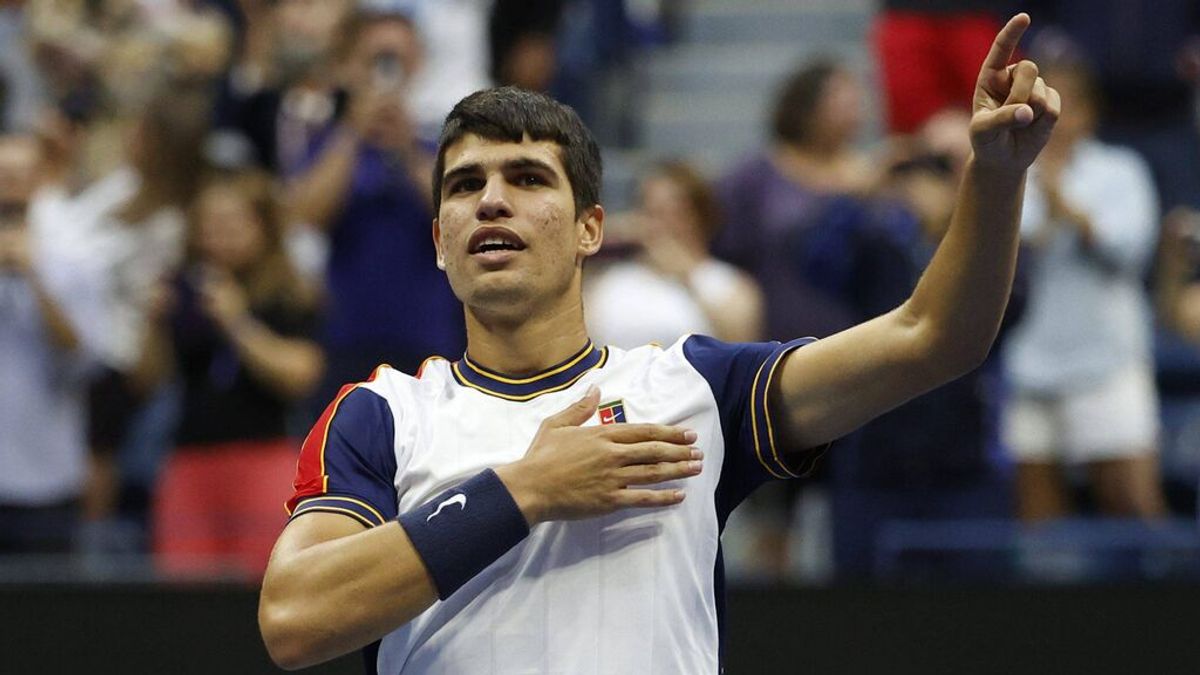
(516, 164)
(465, 169)
(529, 163)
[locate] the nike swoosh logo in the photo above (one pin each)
(459, 499)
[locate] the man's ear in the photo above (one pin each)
(437, 244)
(591, 231)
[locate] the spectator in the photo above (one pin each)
(237, 328)
(104, 62)
(1080, 360)
(285, 87)
(280, 95)
(793, 210)
(366, 184)
(128, 228)
(797, 197)
(673, 286)
(43, 442)
(282, 89)
(1145, 60)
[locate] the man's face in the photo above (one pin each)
(506, 232)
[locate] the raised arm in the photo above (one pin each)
(947, 325)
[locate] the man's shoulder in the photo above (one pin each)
(685, 348)
(646, 355)
(389, 381)
(681, 358)
(401, 392)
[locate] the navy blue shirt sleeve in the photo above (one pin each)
(740, 376)
(348, 462)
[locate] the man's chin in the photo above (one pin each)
(498, 295)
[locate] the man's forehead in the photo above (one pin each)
(486, 152)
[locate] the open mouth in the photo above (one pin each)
(493, 239)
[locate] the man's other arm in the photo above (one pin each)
(947, 325)
(325, 570)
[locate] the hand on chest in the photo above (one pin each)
(457, 441)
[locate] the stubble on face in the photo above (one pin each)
(543, 273)
(543, 218)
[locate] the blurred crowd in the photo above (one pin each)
(214, 213)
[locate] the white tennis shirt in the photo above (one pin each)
(637, 591)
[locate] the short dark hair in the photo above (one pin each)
(797, 100)
(509, 114)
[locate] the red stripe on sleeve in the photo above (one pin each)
(311, 478)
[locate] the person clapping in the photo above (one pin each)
(235, 326)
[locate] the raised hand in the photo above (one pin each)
(1014, 110)
(572, 472)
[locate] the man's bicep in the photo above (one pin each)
(837, 384)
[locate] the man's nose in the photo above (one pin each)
(493, 203)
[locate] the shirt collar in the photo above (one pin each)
(555, 378)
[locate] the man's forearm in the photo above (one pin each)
(331, 587)
(961, 297)
(330, 598)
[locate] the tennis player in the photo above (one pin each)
(548, 505)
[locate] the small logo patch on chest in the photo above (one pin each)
(612, 412)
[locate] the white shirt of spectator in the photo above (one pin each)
(454, 35)
(43, 442)
(127, 259)
(629, 304)
(1088, 315)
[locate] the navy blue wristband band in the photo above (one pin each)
(464, 529)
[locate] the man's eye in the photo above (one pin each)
(530, 179)
(466, 185)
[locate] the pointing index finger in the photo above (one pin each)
(1006, 43)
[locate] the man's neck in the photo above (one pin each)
(527, 346)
